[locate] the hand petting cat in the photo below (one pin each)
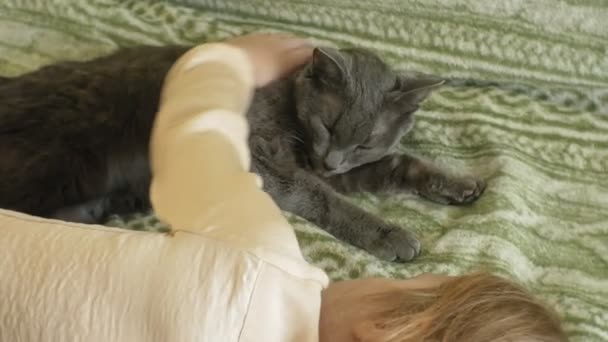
(273, 56)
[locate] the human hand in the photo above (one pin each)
(272, 55)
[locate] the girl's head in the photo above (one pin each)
(472, 308)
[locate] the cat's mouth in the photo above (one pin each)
(325, 173)
(318, 167)
(330, 173)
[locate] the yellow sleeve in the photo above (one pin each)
(200, 157)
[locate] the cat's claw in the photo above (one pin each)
(396, 245)
(467, 190)
(455, 191)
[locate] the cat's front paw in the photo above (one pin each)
(395, 244)
(451, 190)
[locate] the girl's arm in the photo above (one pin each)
(200, 157)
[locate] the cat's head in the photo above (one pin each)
(354, 108)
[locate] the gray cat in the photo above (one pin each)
(74, 141)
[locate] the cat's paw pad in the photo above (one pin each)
(465, 190)
(396, 245)
(446, 190)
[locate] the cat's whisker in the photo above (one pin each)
(292, 135)
(297, 138)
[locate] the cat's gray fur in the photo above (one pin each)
(74, 141)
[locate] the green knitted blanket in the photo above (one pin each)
(526, 108)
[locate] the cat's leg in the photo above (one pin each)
(98, 210)
(305, 195)
(38, 180)
(401, 172)
(90, 212)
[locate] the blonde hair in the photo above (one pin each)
(473, 308)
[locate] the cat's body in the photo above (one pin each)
(74, 141)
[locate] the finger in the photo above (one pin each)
(290, 43)
(288, 62)
(281, 39)
(283, 65)
(272, 41)
(296, 57)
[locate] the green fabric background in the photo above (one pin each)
(527, 109)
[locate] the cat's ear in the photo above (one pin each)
(412, 92)
(328, 66)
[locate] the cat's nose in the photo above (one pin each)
(333, 160)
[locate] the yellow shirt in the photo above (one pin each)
(231, 269)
